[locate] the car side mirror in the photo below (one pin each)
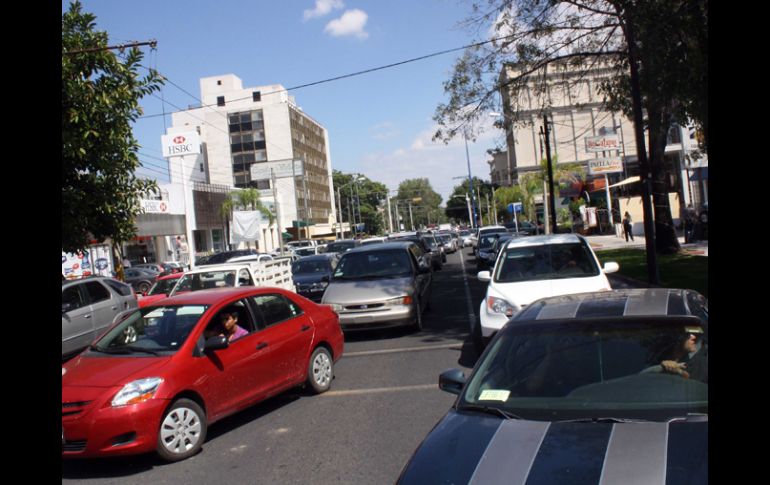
(484, 276)
(65, 307)
(452, 381)
(217, 342)
(611, 267)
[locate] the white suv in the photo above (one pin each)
(535, 267)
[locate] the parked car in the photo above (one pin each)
(534, 267)
(312, 274)
(260, 257)
(573, 390)
(488, 253)
(88, 307)
(342, 245)
(465, 237)
(438, 258)
(308, 251)
(156, 268)
(154, 382)
(482, 231)
(224, 256)
(140, 279)
(304, 243)
(373, 240)
(447, 242)
(380, 286)
(161, 289)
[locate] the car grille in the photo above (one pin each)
(74, 408)
(371, 306)
(74, 446)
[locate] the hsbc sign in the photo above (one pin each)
(180, 144)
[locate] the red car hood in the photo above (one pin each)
(149, 299)
(109, 372)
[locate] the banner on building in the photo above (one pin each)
(96, 260)
(246, 226)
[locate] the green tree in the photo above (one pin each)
(424, 201)
(100, 101)
(361, 200)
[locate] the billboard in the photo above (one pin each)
(600, 166)
(261, 170)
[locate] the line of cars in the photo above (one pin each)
(573, 376)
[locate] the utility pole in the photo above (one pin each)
(411, 221)
(339, 205)
(550, 173)
(277, 211)
(398, 218)
(390, 219)
(481, 215)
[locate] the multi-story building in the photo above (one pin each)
(241, 129)
(576, 111)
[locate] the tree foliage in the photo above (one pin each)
(361, 200)
(100, 101)
(424, 201)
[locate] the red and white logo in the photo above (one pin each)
(179, 139)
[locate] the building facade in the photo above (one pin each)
(243, 129)
(576, 112)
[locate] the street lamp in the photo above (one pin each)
(470, 177)
(354, 180)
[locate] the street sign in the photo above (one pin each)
(514, 207)
(283, 168)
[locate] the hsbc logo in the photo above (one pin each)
(180, 144)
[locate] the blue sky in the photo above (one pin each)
(380, 124)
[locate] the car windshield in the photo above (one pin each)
(546, 262)
(309, 267)
(375, 264)
(205, 281)
(562, 371)
(151, 331)
(162, 287)
(486, 241)
(339, 247)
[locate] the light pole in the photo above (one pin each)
(355, 179)
(508, 147)
(470, 177)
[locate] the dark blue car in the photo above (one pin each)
(594, 388)
(311, 274)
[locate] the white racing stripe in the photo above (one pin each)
(355, 392)
(456, 346)
(636, 453)
(511, 453)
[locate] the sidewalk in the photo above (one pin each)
(598, 243)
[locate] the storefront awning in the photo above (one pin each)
(629, 180)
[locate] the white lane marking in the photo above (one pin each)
(353, 392)
(471, 313)
(456, 346)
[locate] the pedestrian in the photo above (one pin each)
(689, 223)
(627, 226)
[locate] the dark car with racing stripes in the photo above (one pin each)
(608, 387)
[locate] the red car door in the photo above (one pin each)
(288, 334)
(230, 375)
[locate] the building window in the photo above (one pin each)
(256, 96)
(220, 100)
(219, 82)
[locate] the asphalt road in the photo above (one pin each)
(383, 402)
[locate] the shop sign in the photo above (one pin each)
(180, 144)
(602, 143)
(155, 206)
(599, 166)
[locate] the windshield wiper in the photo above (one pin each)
(141, 349)
(119, 350)
(603, 420)
(488, 410)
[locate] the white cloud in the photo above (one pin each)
(437, 162)
(384, 131)
(323, 7)
(352, 22)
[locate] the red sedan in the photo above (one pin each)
(156, 380)
(160, 290)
